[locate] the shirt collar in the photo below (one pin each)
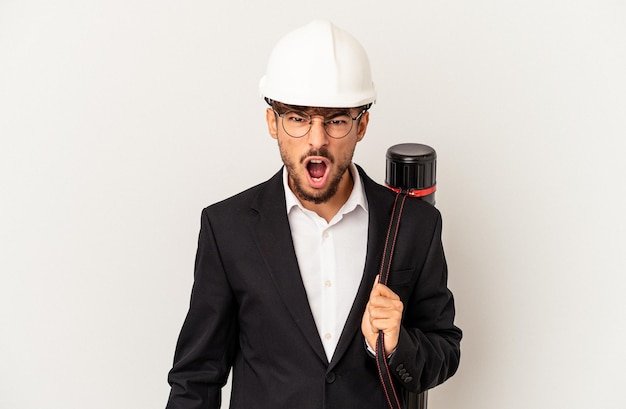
(356, 199)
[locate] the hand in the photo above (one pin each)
(382, 312)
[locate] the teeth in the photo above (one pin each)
(316, 161)
(316, 179)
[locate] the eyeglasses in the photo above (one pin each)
(297, 124)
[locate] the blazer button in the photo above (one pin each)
(408, 379)
(330, 377)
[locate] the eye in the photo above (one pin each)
(296, 117)
(339, 120)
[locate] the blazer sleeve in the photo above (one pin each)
(208, 338)
(428, 350)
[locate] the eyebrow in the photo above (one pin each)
(317, 110)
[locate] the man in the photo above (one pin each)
(285, 289)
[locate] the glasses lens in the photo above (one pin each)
(297, 124)
(338, 126)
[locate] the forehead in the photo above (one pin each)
(282, 108)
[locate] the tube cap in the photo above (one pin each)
(412, 167)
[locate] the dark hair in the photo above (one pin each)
(281, 108)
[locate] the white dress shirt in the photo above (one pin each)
(331, 257)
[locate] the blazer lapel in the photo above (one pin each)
(380, 203)
(273, 237)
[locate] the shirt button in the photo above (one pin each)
(328, 283)
(325, 235)
(327, 336)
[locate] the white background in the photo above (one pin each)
(121, 120)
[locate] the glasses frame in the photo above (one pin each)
(324, 120)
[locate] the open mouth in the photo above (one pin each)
(317, 171)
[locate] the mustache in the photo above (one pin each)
(323, 152)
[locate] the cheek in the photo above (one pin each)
(287, 149)
(347, 152)
(293, 144)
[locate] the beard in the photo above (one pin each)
(299, 183)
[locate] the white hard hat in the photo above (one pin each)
(319, 65)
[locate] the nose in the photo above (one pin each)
(317, 133)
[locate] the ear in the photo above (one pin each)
(365, 118)
(270, 118)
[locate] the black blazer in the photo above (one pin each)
(249, 311)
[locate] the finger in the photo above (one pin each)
(386, 322)
(384, 325)
(374, 291)
(382, 305)
(381, 301)
(367, 321)
(385, 291)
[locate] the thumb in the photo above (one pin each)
(376, 281)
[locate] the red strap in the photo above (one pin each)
(416, 192)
